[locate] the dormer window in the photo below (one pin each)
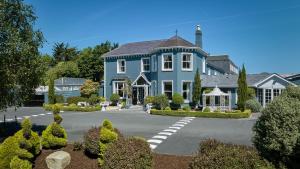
(121, 66)
(167, 62)
(187, 61)
(145, 64)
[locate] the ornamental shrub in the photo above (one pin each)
(206, 109)
(186, 108)
(17, 163)
(216, 155)
(57, 118)
(76, 99)
(59, 99)
(88, 88)
(128, 153)
(11, 148)
(168, 108)
(177, 99)
(149, 99)
(54, 136)
(107, 137)
(31, 144)
(55, 109)
(161, 102)
(253, 105)
(277, 130)
(77, 146)
(94, 99)
(26, 128)
(114, 98)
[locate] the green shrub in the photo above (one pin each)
(206, 109)
(31, 144)
(128, 153)
(101, 99)
(94, 99)
(88, 88)
(17, 163)
(73, 107)
(161, 102)
(26, 128)
(253, 105)
(149, 99)
(177, 99)
(56, 109)
(91, 141)
(186, 108)
(277, 130)
(114, 98)
(49, 140)
(57, 118)
(76, 99)
(218, 110)
(9, 149)
(168, 109)
(107, 137)
(215, 155)
(184, 113)
(59, 99)
(77, 146)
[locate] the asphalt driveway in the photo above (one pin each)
(170, 135)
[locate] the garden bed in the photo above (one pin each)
(183, 113)
(73, 108)
(79, 160)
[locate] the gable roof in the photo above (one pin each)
(147, 47)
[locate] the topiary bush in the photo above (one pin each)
(107, 137)
(91, 141)
(253, 105)
(128, 153)
(57, 118)
(277, 130)
(26, 128)
(177, 99)
(114, 98)
(216, 155)
(161, 102)
(17, 163)
(11, 148)
(54, 136)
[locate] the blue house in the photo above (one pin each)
(168, 66)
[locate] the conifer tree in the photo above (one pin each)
(51, 92)
(196, 88)
(242, 89)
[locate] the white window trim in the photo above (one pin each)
(203, 65)
(154, 63)
(162, 62)
(162, 86)
(209, 72)
(186, 101)
(114, 87)
(192, 60)
(142, 64)
(118, 68)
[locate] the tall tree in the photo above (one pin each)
(197, 88)
(90, 62)
(242, 89)
(63, 52)
(19, 57)
(51, 92)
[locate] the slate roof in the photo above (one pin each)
(146, 47)
(69, 81)
(220, 61)
(230, 81)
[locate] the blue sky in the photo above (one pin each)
(263, 34)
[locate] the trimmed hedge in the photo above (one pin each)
(49, 107)
(76, 99)
(17, 163)
(54, 136)
(216, 155)
(182, 113)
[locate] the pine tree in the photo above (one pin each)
(242, 89)
(196, 88)
(51, 92)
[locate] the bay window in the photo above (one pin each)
(167, 62)
(167, 89)
(187, 62)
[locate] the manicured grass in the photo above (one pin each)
(73, 108)
(183, 113)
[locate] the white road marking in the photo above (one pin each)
(42, 114)
(62, 111)
(49, 113)
(19, 118)
(175, 128)
(35, 115)
(160, 137)
(152, 146)
(181, 122)
(154, 141)
(189, 117)
(165, 133)
(9, 119)
(185, 120)
(178, 125)
(170, 130)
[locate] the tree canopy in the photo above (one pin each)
(19, 56)
(197, 88)
(63, 52)
(242, 89)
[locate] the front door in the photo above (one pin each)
(138, 95)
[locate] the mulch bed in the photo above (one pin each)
(80, 161)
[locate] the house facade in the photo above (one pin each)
(168, 66)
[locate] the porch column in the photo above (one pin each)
(264, 97)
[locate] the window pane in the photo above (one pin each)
(168, 90)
